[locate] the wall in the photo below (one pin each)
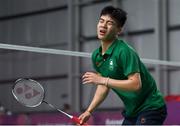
(71, 25)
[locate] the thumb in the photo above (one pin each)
(81, 119)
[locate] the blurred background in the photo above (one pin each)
(152, 28)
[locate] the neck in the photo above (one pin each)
(105, 45)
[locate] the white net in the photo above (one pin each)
(60, 72)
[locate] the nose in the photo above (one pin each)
(104, 24)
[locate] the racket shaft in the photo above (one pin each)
(70, 116)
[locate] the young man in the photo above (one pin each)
(119, 68)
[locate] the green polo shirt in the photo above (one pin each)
(119, 61)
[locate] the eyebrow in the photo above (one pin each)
(107, 20)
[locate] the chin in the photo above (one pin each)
(101, 37)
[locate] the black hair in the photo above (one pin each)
(116, 13)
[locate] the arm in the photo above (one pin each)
(100, 95)
(133, 83)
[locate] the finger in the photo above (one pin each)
(85, 79)
(87, 82)
(89, 73)
(81, 122)
(85, 75)
(82, 119)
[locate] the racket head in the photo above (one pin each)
(28, 92)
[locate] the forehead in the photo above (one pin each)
(106, 17)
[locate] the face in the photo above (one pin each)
(107, 28)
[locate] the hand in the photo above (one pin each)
(84, 117)
(93, 78)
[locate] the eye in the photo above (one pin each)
(101, 20)
(110, 23)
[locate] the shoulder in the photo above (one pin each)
(122, 46)
(124, 50)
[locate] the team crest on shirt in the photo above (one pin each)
(111, 64)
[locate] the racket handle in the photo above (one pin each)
(77, 121)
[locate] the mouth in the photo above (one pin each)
(102, 32)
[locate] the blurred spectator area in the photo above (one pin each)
(98, 118)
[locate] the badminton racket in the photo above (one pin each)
(30, 93)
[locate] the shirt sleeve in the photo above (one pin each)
(129, 61)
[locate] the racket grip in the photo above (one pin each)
(77, 121)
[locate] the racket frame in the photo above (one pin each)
(26, 79)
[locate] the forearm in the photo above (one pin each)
(126, 85)
(100, 95)
(133, 83)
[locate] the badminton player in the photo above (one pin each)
(119, 68)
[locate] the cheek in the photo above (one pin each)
(98, 25)
(97, 29)
(112, 30)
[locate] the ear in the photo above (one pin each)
(120, 29)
